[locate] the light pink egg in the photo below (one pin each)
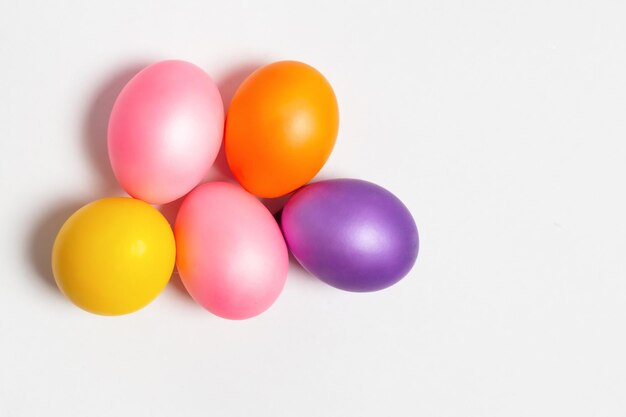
(165, 131)
(230, 253)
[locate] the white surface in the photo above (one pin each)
(501, 126)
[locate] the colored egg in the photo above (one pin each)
(231, 255)
(281, 127)
(351, 234)
(165, 131)
(113, 256)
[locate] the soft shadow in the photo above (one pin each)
(170, 210)
(96, 123)
(41, 239)
(295, 266)
(220, 171)
(228, 85)
(275, 205)
(177, 287)
(278, 216)
(230, 82)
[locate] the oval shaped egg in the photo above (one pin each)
(231, 255)
(281, 127)
(352, 234)
(114, 255)
(165, 131)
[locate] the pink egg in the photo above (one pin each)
(165, 131)
(230, 253)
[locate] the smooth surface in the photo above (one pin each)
(501, 126)
(230, 253)
(113, 256)
(165, 130)
(281, 127)
(351, 234)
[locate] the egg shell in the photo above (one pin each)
(231, 255)
(351, 234)
(114, 255)
(281, 127)
(165, 131)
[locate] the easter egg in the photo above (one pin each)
(113, 256)
(280, 128)
(165, 131)
(231, 255)
(351, 234)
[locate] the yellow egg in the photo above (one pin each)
(114, 255)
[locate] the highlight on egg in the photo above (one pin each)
(351, 234)
(231, 255)
(165, 131)
(281, 127)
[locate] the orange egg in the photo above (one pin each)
(281, 127)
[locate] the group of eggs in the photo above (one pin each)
(115, 255)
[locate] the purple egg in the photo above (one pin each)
(351, 234)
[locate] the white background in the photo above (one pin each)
(500, 124)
